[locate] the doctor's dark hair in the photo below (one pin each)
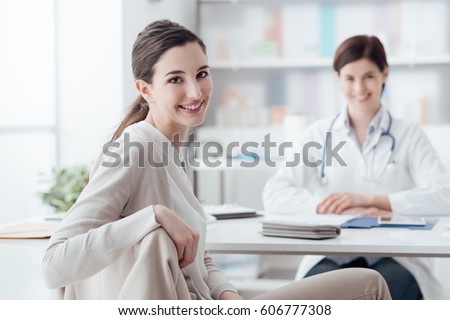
(156, 39)
(358, 47)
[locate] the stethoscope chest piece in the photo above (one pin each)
(323, 181)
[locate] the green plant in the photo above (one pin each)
(66, 186)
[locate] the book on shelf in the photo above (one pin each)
(230, 211)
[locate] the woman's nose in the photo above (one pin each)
(193, 90)
(358, 86)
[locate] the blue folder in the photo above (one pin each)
(372, 222)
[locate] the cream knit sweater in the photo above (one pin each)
(115, 212)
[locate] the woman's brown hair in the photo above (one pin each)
(358, 47)
(158, 37)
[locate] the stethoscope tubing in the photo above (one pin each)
(323, 178)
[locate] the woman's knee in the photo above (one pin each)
(374, 282)
(159, 242)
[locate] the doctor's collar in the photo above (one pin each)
(376, 121)
(342, 120)
(380, 121)
(384, 121)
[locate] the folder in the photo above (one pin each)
(28, 230)
(372, 222)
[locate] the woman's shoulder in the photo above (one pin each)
(141, 132)
(140, 144)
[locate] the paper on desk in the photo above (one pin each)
(28, 230)
(313, 219)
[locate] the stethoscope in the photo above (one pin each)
(386, 133)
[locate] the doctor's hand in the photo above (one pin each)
(184, 237)
(338, 202)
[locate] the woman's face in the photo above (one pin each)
(181, 88)
(361, 83)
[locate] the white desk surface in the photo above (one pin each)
(242, 236)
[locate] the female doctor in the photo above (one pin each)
(386, 166)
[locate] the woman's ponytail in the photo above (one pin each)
(138, 112)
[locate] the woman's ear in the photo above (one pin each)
(144, 89)
(385, 74)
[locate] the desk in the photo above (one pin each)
(21, 268)
(242, 236)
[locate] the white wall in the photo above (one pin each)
(89, 76)
(27, 106)
(88, 92)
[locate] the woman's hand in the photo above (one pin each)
(230, 295)
(184, 237)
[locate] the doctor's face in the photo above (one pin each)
(361, 83)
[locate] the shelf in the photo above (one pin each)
(260, 63)
(26, 129)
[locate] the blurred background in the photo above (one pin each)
(65, 79)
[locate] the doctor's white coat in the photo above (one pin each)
(412, 175)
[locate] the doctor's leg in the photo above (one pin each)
(401, 282)
(324, 265)
(345, 284)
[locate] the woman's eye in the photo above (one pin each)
(175, 80)
(202, 74)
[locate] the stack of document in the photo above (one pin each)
(299, 230)
(230, 211)
(308, 226)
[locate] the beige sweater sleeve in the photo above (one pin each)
(93, 234)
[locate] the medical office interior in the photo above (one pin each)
(66, 80)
